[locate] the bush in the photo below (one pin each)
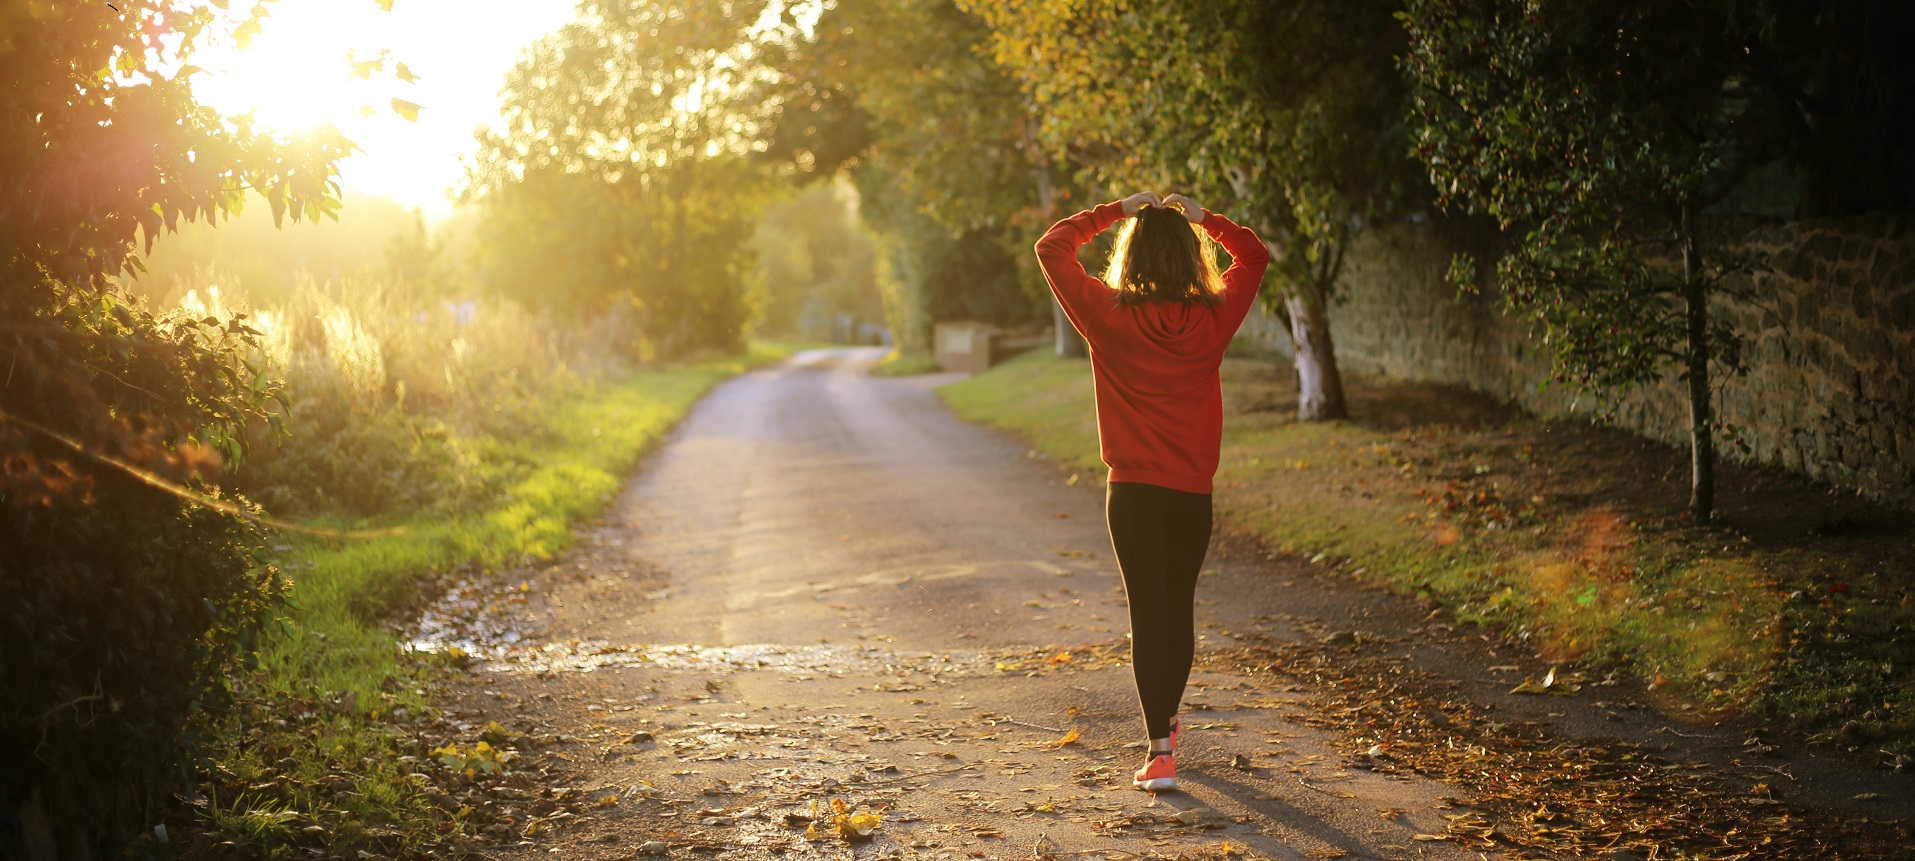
(397, 398)
(124, 601)
(120, 618)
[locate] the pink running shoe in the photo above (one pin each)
(1157, 775)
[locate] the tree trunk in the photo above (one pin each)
(1702, 450)
(1070, 345)
(1319, 383)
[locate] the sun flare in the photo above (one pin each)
(297, 75)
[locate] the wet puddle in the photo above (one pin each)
(823, 659)
(474, 618)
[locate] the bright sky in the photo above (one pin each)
(295, 75)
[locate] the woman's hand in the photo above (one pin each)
(1140, 200)
(1193, 211)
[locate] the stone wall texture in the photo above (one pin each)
(1830, 391)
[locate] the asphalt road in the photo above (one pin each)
(823, 586)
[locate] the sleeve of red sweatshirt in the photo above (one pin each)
(1074, 288)
(1249, 257)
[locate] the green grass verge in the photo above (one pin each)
(1540, 530)
(899, 364)
(327, 729)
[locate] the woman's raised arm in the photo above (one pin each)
(1057, 252)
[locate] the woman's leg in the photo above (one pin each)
(1160, 537)
(1186, 544)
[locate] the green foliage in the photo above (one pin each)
(949, 172)
(815, 261)
(123, 616)
(127, 604)
(1598, 133)
(1589, 129)
(950, 131)
(393, 397)
(624, 181)
(1287, 115)
(1290, 112)
(936, 274)
(975, 278)
(99, 121)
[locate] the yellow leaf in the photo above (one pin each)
(1529, 686)
(1069, 738)
(862, 824)
(409, 110)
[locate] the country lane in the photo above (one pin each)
(824, 588)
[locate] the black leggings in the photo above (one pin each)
(1160, 536)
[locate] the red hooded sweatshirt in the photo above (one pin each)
(1159, 398)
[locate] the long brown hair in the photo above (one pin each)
(1161, 257)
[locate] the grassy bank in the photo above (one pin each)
(336, 724)
(1794, 604)
(900, 364)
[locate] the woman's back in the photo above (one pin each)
(1155, 359)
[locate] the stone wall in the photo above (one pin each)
(1831, 344)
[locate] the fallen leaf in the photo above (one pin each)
(862, 824)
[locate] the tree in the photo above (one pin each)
(131, 591)
(1598, 133)
(943, 148)
(624, 177)
(1290, 111)
(814, 263)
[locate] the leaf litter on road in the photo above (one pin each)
(1534, 791)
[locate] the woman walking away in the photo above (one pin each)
(1157, 327)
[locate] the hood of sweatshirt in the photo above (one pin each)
(1183, 329)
